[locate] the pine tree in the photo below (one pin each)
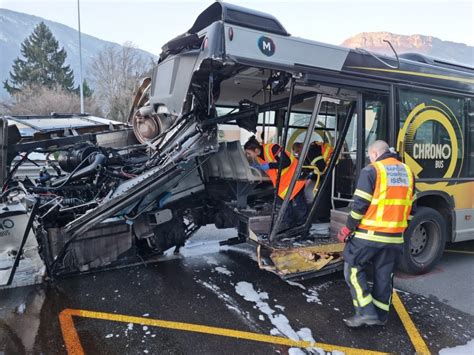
(43, 63)
(86, 89)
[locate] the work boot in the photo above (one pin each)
(358, 321)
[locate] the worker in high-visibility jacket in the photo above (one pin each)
(268, 157)
(374, 233)
(315, 165)
(318, 155)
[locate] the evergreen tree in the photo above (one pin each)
(86, 89)
(43, 63)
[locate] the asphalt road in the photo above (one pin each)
(195, 303)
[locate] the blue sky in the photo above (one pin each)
(151, 23)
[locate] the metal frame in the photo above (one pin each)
(23, 242)
(331, 166)
(280, 165)
(304, 151)
(360, 157)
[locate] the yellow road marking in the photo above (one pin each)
(459, 251)
(71, 339)
(415, 337)
(74, 346)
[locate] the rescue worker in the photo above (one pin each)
(374, 233)
(268, 157)
(318, 155)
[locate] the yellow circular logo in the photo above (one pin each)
(430, 141)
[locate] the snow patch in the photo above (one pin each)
(223, 270)
(459, 350)
(211, 260)
(21, 308)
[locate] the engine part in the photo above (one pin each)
(98, 247)
(99, 159)
(148, 125)
(69, 160)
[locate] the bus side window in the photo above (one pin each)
(376, 126)
(470, 136)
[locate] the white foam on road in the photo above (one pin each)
(223, 270)
(229, 302)
(459, 350)
(312, 296)
(297, 284)
(279, 321)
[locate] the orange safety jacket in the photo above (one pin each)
(326, 151)
(390, 204)
(286, 174)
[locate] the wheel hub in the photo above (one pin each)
(419, 240)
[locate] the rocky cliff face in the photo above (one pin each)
(446, 50)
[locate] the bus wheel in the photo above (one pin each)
(425, 239)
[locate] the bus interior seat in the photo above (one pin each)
(230, 163)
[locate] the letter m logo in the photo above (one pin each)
(266, 46)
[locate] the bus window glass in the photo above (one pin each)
(470, 139)
(346, 165)
(375, 122)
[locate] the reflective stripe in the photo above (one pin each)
(408, 197)
(355, 215)
(391, 202)
(379, 238)
(363, 194)
(267, 151)
(387, 224)
(270, 158)
(355, 303)
(363, 301)
(382, 190)
(326, 152)
(385, 307)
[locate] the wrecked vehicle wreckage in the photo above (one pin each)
(106, 197)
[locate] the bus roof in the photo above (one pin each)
(243, 36)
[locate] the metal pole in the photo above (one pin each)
(3, 150)
(283, 147)
(331, 165)
(299, 167)
(81, 89)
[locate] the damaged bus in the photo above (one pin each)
(233, 72)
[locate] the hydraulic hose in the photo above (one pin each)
(99, 159)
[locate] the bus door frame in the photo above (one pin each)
(274, 230)
(362, 87)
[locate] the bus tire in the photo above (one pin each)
(425, 239)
